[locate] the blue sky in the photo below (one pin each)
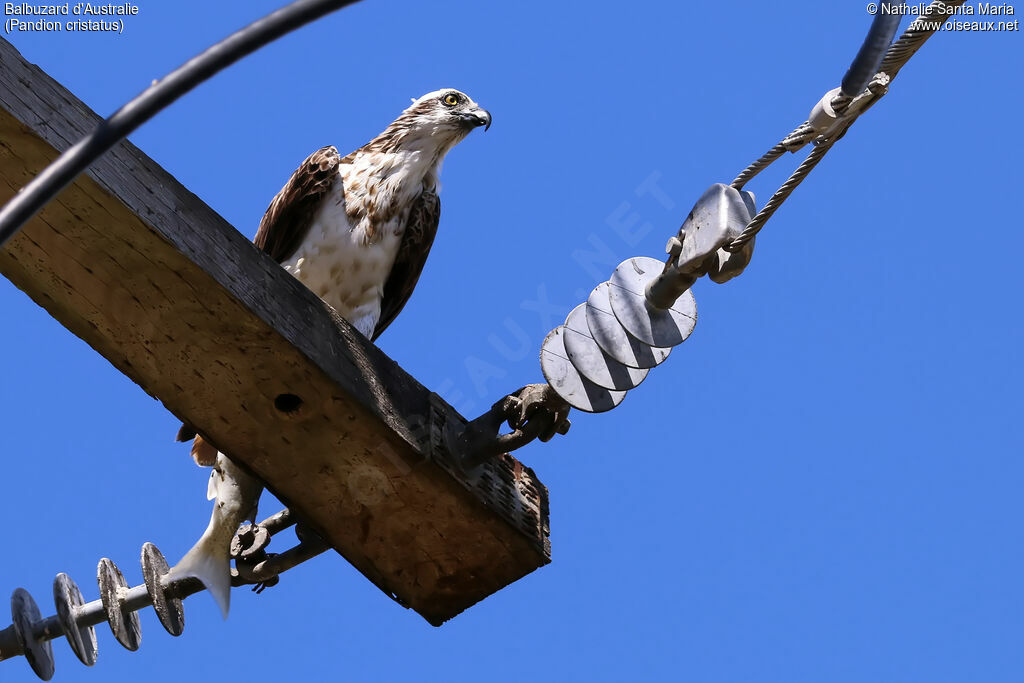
(822, 484)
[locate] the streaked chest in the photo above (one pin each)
(347, 255)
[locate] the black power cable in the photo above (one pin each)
(143, 107)
(869, 57)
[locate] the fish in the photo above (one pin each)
(236, 495)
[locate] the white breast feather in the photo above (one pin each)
(337, 260)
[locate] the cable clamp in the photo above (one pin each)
(830, 118)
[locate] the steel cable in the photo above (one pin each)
(896, 56)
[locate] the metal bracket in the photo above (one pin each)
(534, 411)
(254, 565)
(717, 218)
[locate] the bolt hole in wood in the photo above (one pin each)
(287, 404)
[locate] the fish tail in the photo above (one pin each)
(210, 562)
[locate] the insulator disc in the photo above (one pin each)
(168, 608)
(653, 326)
(593, 363)
(124, 623)
(25, 615)
(68, 599)
(578, 391)
(611, 336)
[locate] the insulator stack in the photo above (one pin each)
(629, 324)
(30, 634)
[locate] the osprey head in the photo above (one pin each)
(443, 117)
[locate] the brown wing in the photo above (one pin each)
(412, 254)
(290, 213)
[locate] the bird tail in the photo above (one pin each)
(209, 560)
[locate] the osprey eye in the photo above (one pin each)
(451, 99)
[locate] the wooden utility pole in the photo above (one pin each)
(179, 301)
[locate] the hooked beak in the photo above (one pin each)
(477, 118)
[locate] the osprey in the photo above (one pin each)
(355, 230)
